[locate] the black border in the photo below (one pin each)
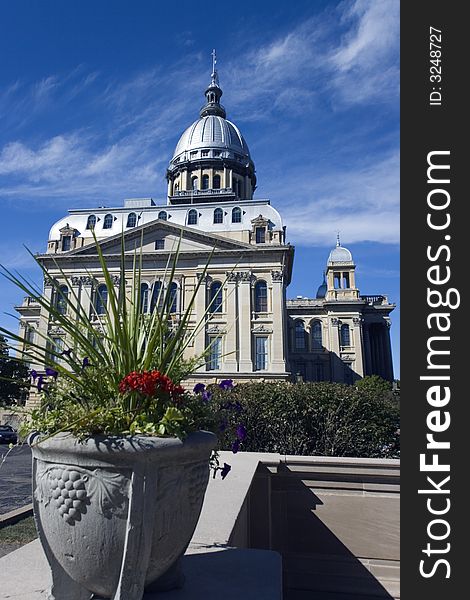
(426, 128)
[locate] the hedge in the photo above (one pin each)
(326, 419)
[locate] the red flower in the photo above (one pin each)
(150, 383)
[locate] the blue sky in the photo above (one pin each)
(95, 94)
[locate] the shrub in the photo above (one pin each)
(327, 419)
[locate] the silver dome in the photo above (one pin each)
(215, 132)
(340, 255)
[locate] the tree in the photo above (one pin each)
(13, 376)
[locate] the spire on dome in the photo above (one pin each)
(213, 94)
(338, 243)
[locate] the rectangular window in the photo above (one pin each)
(29, 335)
(160, 244)
(337, 280)
(66, 242)
(56, 346)
(205, 153)
(261, 353)
(260, 235)
(214, 359)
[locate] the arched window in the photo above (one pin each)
(299, 335)
(157, 296)
(61, 299)
(261, 296)
(216, 182)
(192, 217)
(144, 297)
(215, 297)
(205, 182)
(218, 215)
(236, 215)
(101, 299)
(91, 222)
(108, 222)
(317, 342)
(176, 187)
(173, 297)
(345, 335)
(162, 215)
(194, 183)
(131, 220)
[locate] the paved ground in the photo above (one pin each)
(15, 478)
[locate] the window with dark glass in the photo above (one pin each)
(261, 353)
(261, 296)
(157, 296)
(218, 215)
(337, 280)
(160, 244)
(144, 297)
(66, 242)
(216, 182)
(236, 215)
(345, 335)
(205, 182)
(260, 235)
(91, 222)
(108, 222)
(192, 217)
(163, 215)
(317, 342)
(299, 335)
(215, 297)
(131, 220)
(173, 300)
(214, 358)
(62, 295)
(101, 299)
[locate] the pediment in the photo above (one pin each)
(160, 236)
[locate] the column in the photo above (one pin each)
(231, 336)
(387, 352)
(225, 179)
(278, 362)
(244, 322)
(337, 370)
(367, 353)
(357, 333)
(199, 310)
(246, 189)
(184, 179)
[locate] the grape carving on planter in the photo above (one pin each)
(71, 489)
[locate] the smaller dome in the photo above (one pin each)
(321, 292)
(340, 254)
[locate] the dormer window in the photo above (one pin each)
(132, 220)
(66, 242)
(192, 217)
(205, 153)
(91, 222)
(194, 154)
(205, 182)
(108, 222)
(260, 233)
(216, 182)
(236, 215)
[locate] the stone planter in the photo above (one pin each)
(115, 514)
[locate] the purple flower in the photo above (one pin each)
(225, 470)
(198, 388)
(226, 384)
(40, 382)
(51, 372)
(34, 374)
(206, 396)
(241, 432)
(85, 362)
(236, 446)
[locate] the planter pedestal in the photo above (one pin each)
(114, 515)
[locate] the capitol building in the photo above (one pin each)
(255, 332)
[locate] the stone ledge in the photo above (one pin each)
(12, 517)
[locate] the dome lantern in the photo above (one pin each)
(211, 160)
